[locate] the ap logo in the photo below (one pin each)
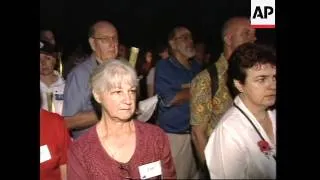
(263, 14)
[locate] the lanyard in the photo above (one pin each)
(274, 157)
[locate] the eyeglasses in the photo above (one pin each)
(124, 171)
(107, 39)
(184, 37)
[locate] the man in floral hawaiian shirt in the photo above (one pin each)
(205, 109)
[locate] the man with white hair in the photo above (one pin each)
(172, 80)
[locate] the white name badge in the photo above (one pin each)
(44, 153)
(150, 170)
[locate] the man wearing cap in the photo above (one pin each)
(51, 82)
(78, 108)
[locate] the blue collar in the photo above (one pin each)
(176, 63)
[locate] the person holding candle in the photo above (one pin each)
(51, 82)
(80, 111)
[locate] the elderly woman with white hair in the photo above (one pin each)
(118, 146)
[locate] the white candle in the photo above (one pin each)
(133, 56)
(60, 64)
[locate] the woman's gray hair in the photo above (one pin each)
(112, 74)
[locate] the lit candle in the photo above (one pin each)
(133, 56)
(52, 104)
(50, 101)
(60, 64)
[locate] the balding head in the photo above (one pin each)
(100, 24)
(231, 24)
(103, 39)
(237, 31)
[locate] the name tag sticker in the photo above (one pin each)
(150, 170)
(58, 96)
(44, 153)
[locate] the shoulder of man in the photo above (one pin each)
(202, 76)
(162, 62)
(162, 66)
(86, 66)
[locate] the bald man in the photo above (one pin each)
(78, 108)
(206, 110)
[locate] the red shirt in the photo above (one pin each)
(87, 159)
(54, 134)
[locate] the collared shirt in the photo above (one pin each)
(170, 78)
(77, 93)
(204, 108)
(57, 90)
(232, 151)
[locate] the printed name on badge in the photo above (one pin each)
(150, 170)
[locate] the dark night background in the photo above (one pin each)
(147, 22)
(144, 23)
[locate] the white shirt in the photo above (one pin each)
(57, 88)
(232, 150)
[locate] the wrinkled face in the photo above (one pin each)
(105, 41)
(182, 43)
(47, 64)
(148, 57)
(259, 87)
(49, 36)
(119, 102)
(241, 32)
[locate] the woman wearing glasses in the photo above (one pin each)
(118, 146)
(243, 145)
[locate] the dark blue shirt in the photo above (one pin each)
(170, 76)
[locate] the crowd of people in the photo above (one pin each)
(211, 120)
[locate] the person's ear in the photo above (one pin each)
(92, 45)
(172, 44)
(227, 39)
(238, 85)
(96, 96)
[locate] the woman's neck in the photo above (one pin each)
(109, 127)
(259, 112)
